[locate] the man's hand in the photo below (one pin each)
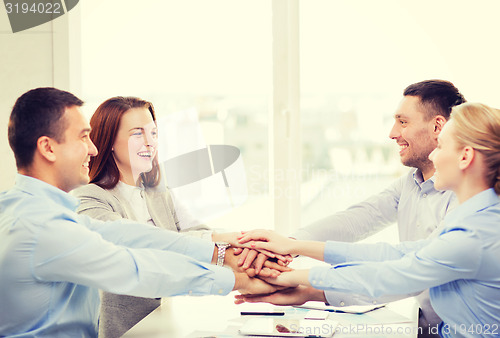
(247, 285)
(255, 263)
(290, 296)
(270, 269)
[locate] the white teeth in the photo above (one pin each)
(403, 146)
(145, 154)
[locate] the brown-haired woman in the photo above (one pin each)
(125, 179)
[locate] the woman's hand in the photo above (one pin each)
(268, 242)
(289, 279)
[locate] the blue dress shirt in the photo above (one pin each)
(416, 206)
(461, 266)
(53, 261)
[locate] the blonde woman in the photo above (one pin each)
(461, 266)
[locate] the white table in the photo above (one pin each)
(218, 316)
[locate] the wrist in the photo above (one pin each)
(316, 295)
(239, 280)
(221, 248)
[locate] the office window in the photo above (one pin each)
(211, 62)
(356, 59)
(203, 63)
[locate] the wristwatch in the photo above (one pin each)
(221, 252)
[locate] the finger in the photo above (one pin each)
(275, 281)
(237, 251)
(282, 258)
(259, 262)
(267, 272)
(276, 266)
(250, 258)
(266, 252)
(259, 235)
(251, 272)
(243, 256)
(254, 299)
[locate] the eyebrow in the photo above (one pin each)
(140, 128)
(85, 130)
(400, 116)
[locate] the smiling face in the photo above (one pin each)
(414, 134)
(135, 144)
(446, 159)
(74, 152)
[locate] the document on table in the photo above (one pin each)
(353, 309)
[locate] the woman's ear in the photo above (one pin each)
(44, 146)
(466, 156)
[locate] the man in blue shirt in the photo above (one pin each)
(53, 261)
(411, 201)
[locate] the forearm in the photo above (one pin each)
(311, 249)
(358, 221)
(137, 235)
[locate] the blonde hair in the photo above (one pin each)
(478, 126)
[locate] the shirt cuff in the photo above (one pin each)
(303, 235)
(207, 235)
(318, 276)
(204, 251)
(223, 281)
(336, 252)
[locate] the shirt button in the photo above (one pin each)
(342, 303)
(374, 302)
(425, 195)
(314, 281)
(190, 292)
(320, 282)
(220, 291)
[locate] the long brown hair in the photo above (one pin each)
(104, 123)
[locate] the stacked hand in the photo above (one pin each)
(251, 261)
(292, 286)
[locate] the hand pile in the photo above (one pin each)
(264, 256)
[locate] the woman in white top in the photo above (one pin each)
(125, 183)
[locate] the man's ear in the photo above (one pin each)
(439, 122)
(44, 146)
(466, 156)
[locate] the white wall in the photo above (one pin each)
(37, 57)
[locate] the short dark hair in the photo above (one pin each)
(37, 113)
(437, 97)
(105, 124)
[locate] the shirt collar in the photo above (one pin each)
(426, 186)
(476, 203)
(36, 187)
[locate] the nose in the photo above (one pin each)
(431, 155)
(92, 148)
(395, 132)
(149, 139)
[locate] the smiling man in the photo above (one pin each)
(53, 261)
(411, 201)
